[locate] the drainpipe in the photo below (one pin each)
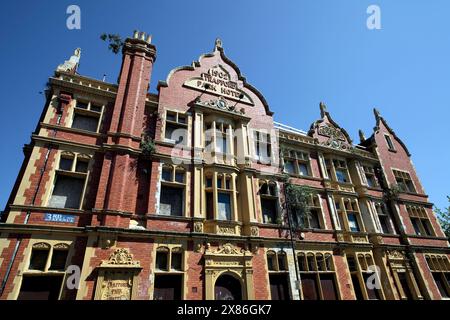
(27, 216)
(297, 274)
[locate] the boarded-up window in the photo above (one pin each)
(167, 287)
(309, 287)
(171, 202)
(85, 122)
(328, 286)
(67, 192)
(279, 288)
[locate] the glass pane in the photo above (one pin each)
(65, 164)
(303, 169)
(271, 262)
(208, 182)
(171, 116)
(161, 260)
(209, 206)
(59, 258)
(269, 210)
(179, 176)
(176, 260)
(353, 222)
(96, 108)
(314, 221)
(82, 105)
(281, 262)
(341, 176)
(82, 166)
(38, 259)
(171, 201)
(67, 192)
(167, 174)
(224, 209)
(289, 167)
(84, 122)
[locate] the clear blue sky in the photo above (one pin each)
(296, 53)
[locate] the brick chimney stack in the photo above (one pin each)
(115, 200)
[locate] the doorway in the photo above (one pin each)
(228, 287)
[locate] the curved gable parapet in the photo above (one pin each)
(380, 119)
(326, 128)
(232, 86)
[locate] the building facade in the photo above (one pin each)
(126, 194)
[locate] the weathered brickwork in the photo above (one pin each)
(105, 186)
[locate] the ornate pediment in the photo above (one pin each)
(120, 258)
(226, 249)
(329, 131)
(220, 104)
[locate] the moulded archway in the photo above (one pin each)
(228, 287)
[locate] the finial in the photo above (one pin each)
(217, 44)
(376, 113)
(362, 136)
(323, 109)
(136, 34)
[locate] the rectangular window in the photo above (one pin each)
(176, 262)
(167, 287)
(389, 143)
(38, 259)
(289, 167)
(85, 122)
(176, 128)
(353, 222)
(171, 201)
(369, 172)
(263, 145)
(341, 176)
(42, 287)
(269, 210)
(317, 276)
(162, 260)
(59, 258)
(67, 192)
(209, 205)
(404, 181)
(224, 208)
(279, 287)
(383, 217)
(419, 220)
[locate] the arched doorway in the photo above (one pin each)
(227, 287)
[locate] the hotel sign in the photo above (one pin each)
(219, 83)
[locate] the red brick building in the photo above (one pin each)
(180, 194)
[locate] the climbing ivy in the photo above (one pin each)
(147, 145)
(297, 200)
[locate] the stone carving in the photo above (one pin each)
(221, 104)
(41, 245)
(254, 231)
(331, 132)
(395, 254)
(198, 226)
(120, 257)
(72, 63)
(226, 230)
(229, 249)
(117, 286)
(61, 246)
